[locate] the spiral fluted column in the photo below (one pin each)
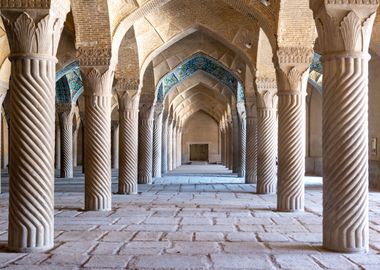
(3, 93)
(65, 114)
(129, 98)
(174, 145)
(145, 144)
(345, 122)
(75, 145)
(170, 142)
(115, 144)
(293, 71)
(243, 139)
(157, 140)
(32, 103)
(221, 132)
(57, 149)
(179, 147)
(164, 155)
(98, 83)
(267, 146)
(251, 159)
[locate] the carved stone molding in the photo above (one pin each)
(127, 84)
(94, 56)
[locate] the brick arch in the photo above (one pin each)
(250, 9)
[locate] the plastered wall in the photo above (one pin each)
(201, 129)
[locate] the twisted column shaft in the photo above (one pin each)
(128, 164)
(145, 146)
(291, 148)
(98, 138)
(222, 146)
(157, 142)
(266, 166)
(292, 74)
(174, 147)
(179, 148)
(170, 146)
(345, 59)
(251, 159)
(243, 139)
(66, 126)
(32, 106)
(115, 144)
(57, 152)
(165, 146)
(75, 148)
(3, 93)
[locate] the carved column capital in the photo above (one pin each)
(344, 28)
(158, 110)
(240, 106)
(266, 93)
(97, 80)
(293, 64)
(128, 100)
(146, 111)
(34, 27)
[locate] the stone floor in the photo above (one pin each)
(199, 222)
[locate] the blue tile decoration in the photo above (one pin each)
(62, 89)
(195, 63)
(69, 85)
(75, 83)
(66, 69)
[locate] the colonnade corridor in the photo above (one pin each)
(177, 223)
(178, 134)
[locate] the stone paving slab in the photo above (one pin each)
(190, 226)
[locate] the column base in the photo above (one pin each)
(286, 210)
(145, 180)
(31, 249)
(345, 250)
(266, 193)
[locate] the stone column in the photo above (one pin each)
(98, 94)
(33, 33)
(251, 161)
(179, 146)
(165, 143)
(115, 144)
(82, 115)
(344, 36)
(221, 142)
(230, 150)
(267, 146)
(65, 114)
(129, 97)
(157, 139)
(170, 142)
(174, 144)
(292, 82)
(57, 152)
(75, 138)
(243, 138)
(145, 144)
(3, 93)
